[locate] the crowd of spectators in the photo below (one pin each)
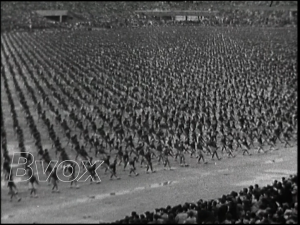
(271, 204)
(119, 14)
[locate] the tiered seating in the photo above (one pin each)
(272, 204)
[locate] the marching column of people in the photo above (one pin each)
(170, 112)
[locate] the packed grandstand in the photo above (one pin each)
(22, 15)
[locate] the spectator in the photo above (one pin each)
(232, 208)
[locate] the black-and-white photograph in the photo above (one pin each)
(149, 112)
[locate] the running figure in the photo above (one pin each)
(54, 180)
(182, 158)
(260, 145)
(6, 168)
(29, 160)
(13, 191)
(32, 181)
(113, 169)
(70, 168)
(245, 146)
(120, 155)
(106, 163)
(272, 142)
(148, 160)
(223, 143)
(142, 154)
(132, 166)
(230, 148)
(92, 171)
(98, 148)
(125, 159)
(160, 154)
(287, 138)
(200, 153)
(166, 153)
(212, 145)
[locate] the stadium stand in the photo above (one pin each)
(271, 204)
(120, 14)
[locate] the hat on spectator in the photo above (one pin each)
(162, 209)
(171, 216)
(192, 205)
(279, 211)
(295, 190)
(234, 194)
(190, 213)
(229, 198)
(222, 200)
(290, 221)
(245, 221)
(268, 210)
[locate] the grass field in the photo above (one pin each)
(152, 59)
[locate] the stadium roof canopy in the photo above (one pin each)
(53, 12)
(177, 12)
(56, 15)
